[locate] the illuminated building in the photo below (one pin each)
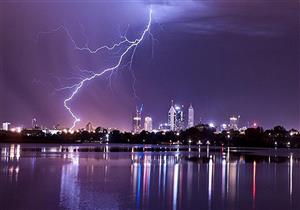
(148, 124)
(175, 118)
(179, 120)
(190, 116)
(172, 117)
(164, 127)
(6, 126)
(234, 122)
(137, 121)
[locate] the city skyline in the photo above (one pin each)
(177, 118)
(223, 65)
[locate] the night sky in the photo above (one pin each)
(225, 57)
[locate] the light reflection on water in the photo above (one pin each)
(204, 178)
(69, 189)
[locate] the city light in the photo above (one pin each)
(224, 126)
(16, 129)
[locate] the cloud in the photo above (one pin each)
(223, 25)
(205, 17)
(168, 10)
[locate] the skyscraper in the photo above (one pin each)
(191, 116)
(148, 124)
(172, 117)
(179, 123)
(137, 121)
(176, 118)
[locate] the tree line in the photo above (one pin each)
(201, 134)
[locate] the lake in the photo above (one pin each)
(95, 176)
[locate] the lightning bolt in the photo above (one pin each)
(131, 46)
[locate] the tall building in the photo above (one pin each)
(137, 121)
(176, 118)
(179, 123)
(6, 126)
(191, 116)
(172, 117)
(148, 124)
(234, 121)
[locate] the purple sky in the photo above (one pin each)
(224, 57)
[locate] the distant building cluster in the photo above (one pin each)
(178, 118)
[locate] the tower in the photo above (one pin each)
(148, 124)
(176, 117)
(191, 116)
(172, 117)
(137, 121)
(179, 119)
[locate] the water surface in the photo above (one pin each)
(147, 177)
